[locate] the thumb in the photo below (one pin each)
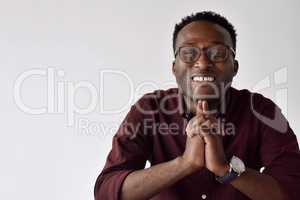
(205, 109)
(199, 107)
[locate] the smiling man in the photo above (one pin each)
(204, 139)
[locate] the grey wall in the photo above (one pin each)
(48, 152)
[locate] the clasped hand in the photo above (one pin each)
(204, 145)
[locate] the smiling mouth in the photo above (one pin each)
(203, 78)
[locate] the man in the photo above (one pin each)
(204, 140)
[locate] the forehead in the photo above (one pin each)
(203, 32)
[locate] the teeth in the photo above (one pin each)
(203, 78)
(198, 78)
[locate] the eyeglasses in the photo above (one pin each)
(215, 53)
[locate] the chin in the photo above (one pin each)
(206, 93)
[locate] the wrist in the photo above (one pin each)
(186, 166)
(236, 168)
(222, 171)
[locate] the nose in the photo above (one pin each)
(203, 62)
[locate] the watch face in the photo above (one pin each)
(237, 165)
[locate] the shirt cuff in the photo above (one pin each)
(110, 185)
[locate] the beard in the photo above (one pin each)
(200, 91)
(214, 93)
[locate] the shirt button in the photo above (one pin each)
(203, 196)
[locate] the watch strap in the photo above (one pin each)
(230, 176)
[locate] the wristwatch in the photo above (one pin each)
(237, 167)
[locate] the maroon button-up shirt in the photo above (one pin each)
(154, 130)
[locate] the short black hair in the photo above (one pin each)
(209, 16)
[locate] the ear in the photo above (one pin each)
(173, 67)
(235, 67)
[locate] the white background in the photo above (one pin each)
(44, 158)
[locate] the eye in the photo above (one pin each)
(188, 54)
(217, 53)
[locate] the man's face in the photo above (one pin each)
(203, 34)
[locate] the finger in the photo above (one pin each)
(205, 108)
(189, 128)
(199, 108)
(207, 131)
(198, 120)
(192, 127)
(213, 139)
(215, 125)
(191, 134)
(204, 128)
(208, 127)
(209, 139)
(190, 131)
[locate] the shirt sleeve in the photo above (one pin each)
(280, 151)
(131, 149)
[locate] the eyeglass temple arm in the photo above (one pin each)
(233, 51)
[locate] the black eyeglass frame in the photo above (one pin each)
(201, 50)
